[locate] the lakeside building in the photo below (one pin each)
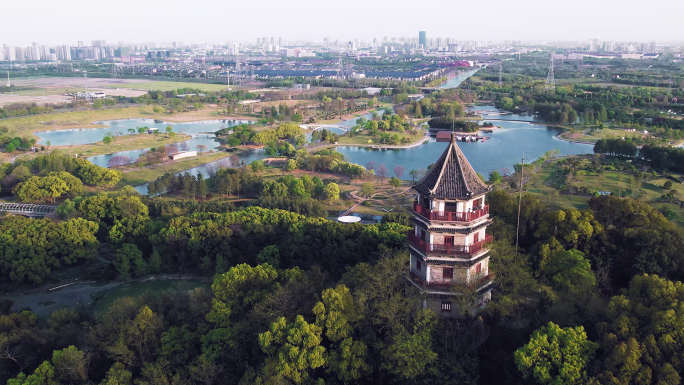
(449, 254)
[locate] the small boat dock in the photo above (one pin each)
(445, 136)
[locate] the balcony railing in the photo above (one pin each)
(444, 248)
(478, 282)
(450, 216)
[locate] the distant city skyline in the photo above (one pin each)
(70, 21)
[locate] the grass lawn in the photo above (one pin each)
(169, 86)
(144, 175)
(136, 289)
(363, 138)
(616, 182)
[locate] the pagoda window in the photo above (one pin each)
(446, 306)
(418, 265)
(448, 240)
(476, 237)
(450, 207)
(448, 273)
(478, 268)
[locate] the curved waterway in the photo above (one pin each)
(455, 82)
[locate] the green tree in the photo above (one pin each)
(71, 365)
(257, 166)
(118, 375)
(270, 255)
(495, 177)
(43, 375)
(169, 129)
(556, 355)
(129, 257)
(332, 192)
(202, 189)
(107, 139)
(290, 165)
(233, 141)
(395, 182)
(409, 354)
(367, 190)
(155, 262)
(667, 185)
(294, 349)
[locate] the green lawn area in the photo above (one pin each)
(136, 289)
(144, 175)
(169, 86)
(363, 138)
(616, 182)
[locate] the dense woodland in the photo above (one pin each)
(300, 299)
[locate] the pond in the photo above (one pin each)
(503, 149)
(78, 136)
(247, 157)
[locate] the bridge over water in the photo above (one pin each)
(322, 126)
(28, 210)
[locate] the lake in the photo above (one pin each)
(504, 148)
(78, 136)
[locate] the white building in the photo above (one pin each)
(182, 155)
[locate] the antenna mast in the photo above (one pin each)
(517, 230)
(85, 76)
(500, 73)
(550, 81)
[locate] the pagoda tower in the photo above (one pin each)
(448, 245)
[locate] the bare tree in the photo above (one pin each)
(171, 148)
(235, 160)
(399, 171)
(370, 165)
(223, 163)
(211, 169)
(118, 160)
(505, 171)
(382, 170)
(201, 148)
(184, 146)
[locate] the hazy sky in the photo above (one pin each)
(67, 21)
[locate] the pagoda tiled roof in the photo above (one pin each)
(452, 177)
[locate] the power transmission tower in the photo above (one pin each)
(550, 81)
(500, 74)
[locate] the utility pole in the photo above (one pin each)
(517, 230)
(550, 80)
(85, 75)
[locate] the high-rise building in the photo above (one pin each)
(80, 44)
(258, 41)
(422, 38)
(449, 245)
(63, 52)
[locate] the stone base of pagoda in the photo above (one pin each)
(444, 300)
